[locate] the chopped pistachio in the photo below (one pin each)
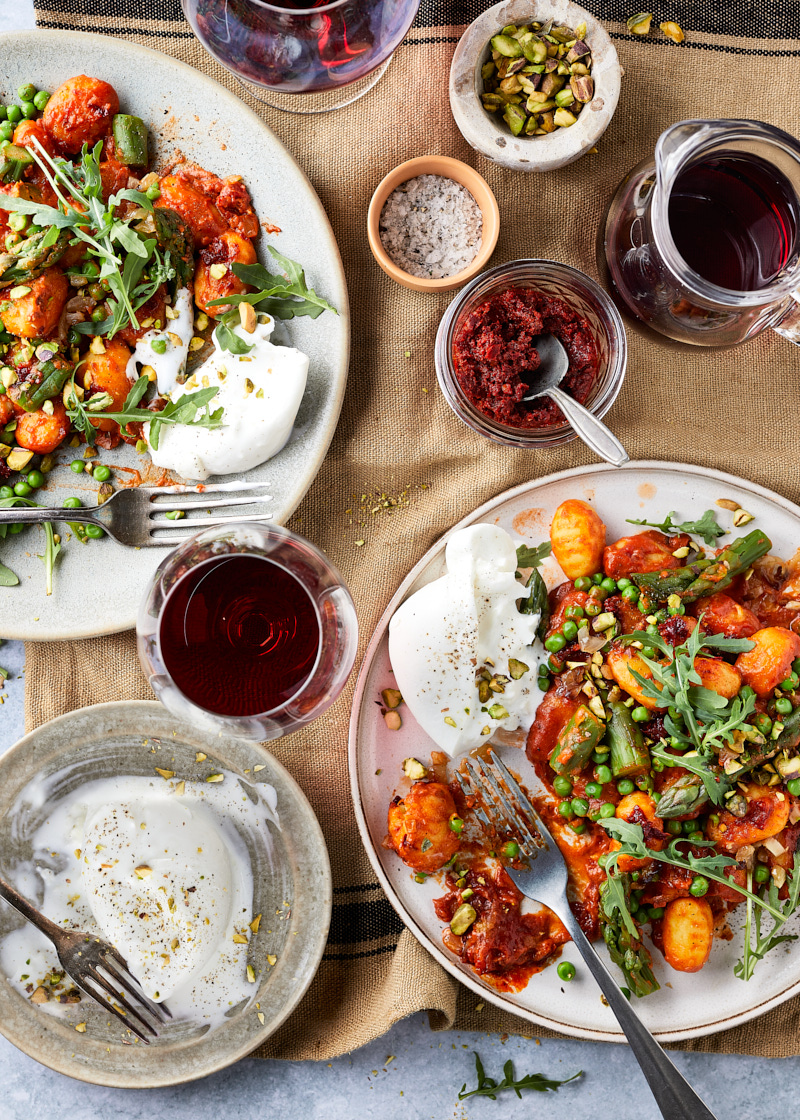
(742, 517)
(672, 30)
(391, 697)
(393, 721)
(217, 271)
(640, 23)
(414, 769)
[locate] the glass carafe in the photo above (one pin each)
(759, 168)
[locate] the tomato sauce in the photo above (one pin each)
(494, 356)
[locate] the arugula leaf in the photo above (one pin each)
(771, 939)
(713, 867)
(615, 903)
(706, 527)
(532, 557)
(488, 1087)
(137, 391)
(185, 410)
(716, 782)
(7, 577)
(229, 340)
(283, 297)
(53, 381)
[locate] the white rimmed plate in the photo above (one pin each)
(98, 586)
(687, 1006)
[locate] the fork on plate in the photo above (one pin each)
(136, 516)
(97, 969)
(503, 803)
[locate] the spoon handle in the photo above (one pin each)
(592, 431)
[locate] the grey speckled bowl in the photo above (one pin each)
(132, 738)
(98, 586)
(490, 136)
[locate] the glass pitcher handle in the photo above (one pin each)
(789, 323)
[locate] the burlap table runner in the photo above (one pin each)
(733, 410)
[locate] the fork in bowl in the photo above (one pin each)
(97, 969)
(504, 804)
(131, 516)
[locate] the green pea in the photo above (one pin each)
(580, 806)
(597, 578)
(26, 92)
(745, 693)
(600, 756)
(640, 714)
(794, 787)
(6, 492)
(511, 849)
(578, 826)
(159, 345)
(575, 610)
(688, 826)
(35, 479)
(98, 315)
(675, 714)
(679, 610)
(570, 630)
(696, 837)
(583, 583)
(562, 785)
(623, 583)
(593, 789)
(603, 774)
(153, 192)
(72, 503)
(555, 664)
(18, 222)
(763, 723)
(633, 904)
(101, 472)
(22, 489)
(661, 615)
(631, 594)
(783, 706)
(6, 130)
(90, 269)
(654, 913)
(761, 873)
(28, 110)
(699, 886)
(40, 99)
(609, 585)
(566, 971)
(607, 809)
(674, 828)
(653, 629)
(565, 809)
(791, 683)
(657, 766)
(555, 643)
(95, 532)
(676, 743)
(625, 786)
(593, 608)
(97, 291)
(77, 465)
(14, 114)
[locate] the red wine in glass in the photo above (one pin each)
(239, 635)
(301, 46)
(734, 219)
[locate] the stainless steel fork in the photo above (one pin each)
(137, 515)
(503, 802)
(97, 968)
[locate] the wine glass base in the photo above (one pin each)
(307, 104)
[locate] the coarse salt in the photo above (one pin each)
(431, 227)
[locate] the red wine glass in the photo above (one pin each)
(248, 630)
(308, 56)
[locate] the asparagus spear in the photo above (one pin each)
(688, 793)
(629, 756)
(577, 741)
(704, 576)
(627, 952)
(537, 602)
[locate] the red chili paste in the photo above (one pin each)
(494, 354)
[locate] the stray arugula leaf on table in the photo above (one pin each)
(51, 547)
(532, 557)
(705, 527)
(488, 1087)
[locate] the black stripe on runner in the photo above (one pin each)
(355, 922)
(358, 956)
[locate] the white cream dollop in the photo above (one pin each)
(445, 632)
(175, 337)
(260, 393)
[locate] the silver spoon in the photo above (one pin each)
(544, 383)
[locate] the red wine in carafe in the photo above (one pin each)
(239, 635)
(734, 219)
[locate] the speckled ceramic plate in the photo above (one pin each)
(687, 1006)
(98, 586)
(292, 889)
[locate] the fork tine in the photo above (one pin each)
(103, 1002)
(165, 507)
(468, 791)
(192, 523)
(201, 488)
(523, 799)
(98, 978)
(157, 1010)
(513, 815)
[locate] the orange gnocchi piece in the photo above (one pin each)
(767, 814)
(637, 807)
(718, 676)
(578, 537)
(419, 826)
(623, 661)
(770, 660)
(687, 931)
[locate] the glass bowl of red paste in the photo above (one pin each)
(485, 350)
